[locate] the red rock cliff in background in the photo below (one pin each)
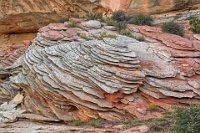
(21, 16)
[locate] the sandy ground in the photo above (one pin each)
(35, 127)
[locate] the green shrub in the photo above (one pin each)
(97, 123)
(195, 25)
(108, 21)
(103, 35)
(173, 28)
(139, 38)
(141, 20)
(94, 16)
(119, 16)
(153, 107)
(187, 120)
(121, 25)
(126, 32)
(72, 24)
(75, 123)
(62, 20)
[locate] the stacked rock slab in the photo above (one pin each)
(87, 71)
(8, 58)
(171, 64)
(66, 76)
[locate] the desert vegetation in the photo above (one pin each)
(173, 28)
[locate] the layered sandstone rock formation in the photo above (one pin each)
(134, 7)
(89, 72)
(22, 16)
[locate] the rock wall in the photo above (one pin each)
(22, 16)
(134, 7)
(30, 15)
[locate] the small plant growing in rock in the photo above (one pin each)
(187, 120)
(103, 35)
(94, 16)
(119, 16)
(141, 20)
(62, 20)
(108, 21)
(72, 24)
(75, 123)
(120, 25)
(126, 32)
(97, 123)
(195, 25)
(153, 107)
(173, 28)
(139, 38)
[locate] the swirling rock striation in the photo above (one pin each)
(79, 78)
(89, 72)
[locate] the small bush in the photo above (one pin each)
(120, 25)
(187, 120)
(126, 32)
(94, 16)
(173, 28)
(72, 24)
(103, 35)
(139, 38)
(195, 25)
(75, 123)
(62, 20)
(108, 21)
(97, 123)
(119, 16)
(141, 20)
(153, 107)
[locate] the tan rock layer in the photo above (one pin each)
(22, 16)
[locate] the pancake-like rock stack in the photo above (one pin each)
(8, 57)
(79, 73)
(171, 64)
(83, 70)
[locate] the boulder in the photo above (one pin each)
(88, 73)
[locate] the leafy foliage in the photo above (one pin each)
(75, 123)
(97, 123)
(187, 120)
(140, 38)
(195, 25)
(108, 21)
(141, 20)
(126, 32)
(94, 16)
(72, 24)
(104, 35)
(121, 25)
(173, 28)
(119, 16)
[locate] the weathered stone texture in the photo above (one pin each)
(72, 73)
(23, 16)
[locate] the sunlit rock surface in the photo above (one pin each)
(27, 16)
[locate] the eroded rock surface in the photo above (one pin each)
(150, 6)
(24, 16)
(74, 73)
